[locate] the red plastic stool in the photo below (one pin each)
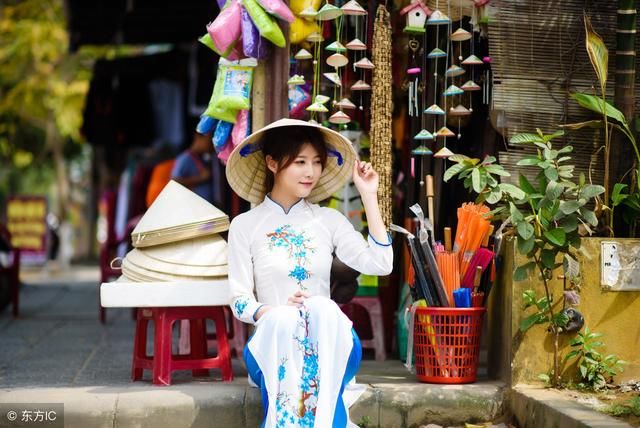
(163, 362)
(374, 309)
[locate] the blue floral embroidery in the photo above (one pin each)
(298, 248)
(240, 305)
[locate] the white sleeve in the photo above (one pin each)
(243, 302)
(368, 257)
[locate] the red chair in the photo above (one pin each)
(12, 272)
(373, 308)
(164, 362)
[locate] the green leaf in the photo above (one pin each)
(453, 170)
(528, 161)
(583, 371)
(617, 196)
(522, 272)
(530, 321)
(525, 245)
(571, 354)
(556, 236)
(528, 298)
(553, 190)
(569, 207)
(594, 103)
(475, 179)
(569, 224)
(493, 197)
(458, 158)
(525, 230)
(580, 125)
(551, 173)
(526, 185)
(548, 258)
(549, 137)
(497, 170)
(598, 53)
(516, 215)
(591, 190)
(589, 216)
(512, 190)
(525, 139)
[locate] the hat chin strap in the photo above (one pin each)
(333, 152)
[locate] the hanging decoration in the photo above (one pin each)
(381, 110)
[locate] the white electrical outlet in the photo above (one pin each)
(610, 263)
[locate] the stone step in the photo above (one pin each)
(393, 399)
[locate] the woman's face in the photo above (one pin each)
(301, 176)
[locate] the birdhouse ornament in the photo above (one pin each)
(416, 14)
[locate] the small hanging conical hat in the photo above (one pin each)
(296, 79)
(303, 54)
(317, 107)
(423, 135)
(337, 60)
(460, 35)
(315, 37)
(364, 63)
(179, 209)
(445, 132)
(336, 47)
(308, 13)
(334, 78)
(339, 118)
(346, 103)
(472, 60)
(202, 251)
(356, 45)
(454, 71)
(436, 53)
(140, 274)
(434, 109)
(453, 90)
(443, 153)
(361, 85)
(352, 7)
(421, 151)
(329, 12)
(322, 99)
(438, 18)
(470, 85)
(459, 110)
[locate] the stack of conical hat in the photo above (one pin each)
(177, 240)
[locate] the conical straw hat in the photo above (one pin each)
(346, 103)
(361, 85)
(140, 274)
(423, 135)
(178, 209)
(329, 12)
(303, 54)
(434, 109)
(356, 45)
(436, 53)
(140, 259)
(317, 107)
(460, 35)
(421, 151)
(454, 70)
(337, 60)
(445, 132)
(334, 78)
(472, 60)
(205, 251)
(453, 90)
(336, 47)
(459, 110)
(470, 85)
(246, 166)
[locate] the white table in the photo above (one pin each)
(124, 294)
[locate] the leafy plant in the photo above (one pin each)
(545, 214)
(595, 369)
(629, 407)
(612, 118)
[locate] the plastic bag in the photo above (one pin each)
(278, 9)
(298, 6)
(216, 109)
(301, 29)
(299, 100)
(206, 125)
(222, 135)
(241, 129)
(267, 27)
(253, 44)
(225, 30)
(236, 92)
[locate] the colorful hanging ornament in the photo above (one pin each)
(454, 71)
(453, 90)
(353, 8)
(329, 12)
(416, 15)
(364, 63)
(443, 153)
(336, 47)
(356, 45)
(339, 118)
(346, 104)
(438, 18)
(337, 60)
(303, 54)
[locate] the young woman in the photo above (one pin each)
(304, 350)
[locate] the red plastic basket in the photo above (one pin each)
(447, 344)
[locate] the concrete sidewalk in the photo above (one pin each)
(58, 352)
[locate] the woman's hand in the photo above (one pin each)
(298, 298)
(365, 178)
